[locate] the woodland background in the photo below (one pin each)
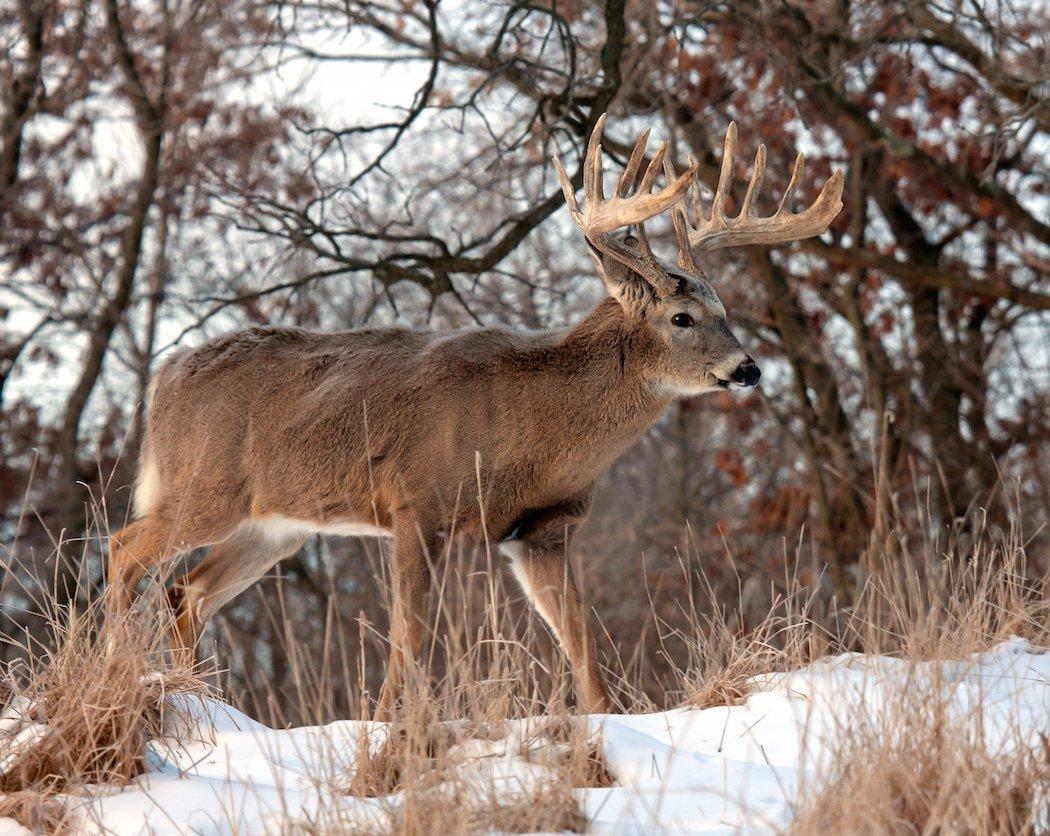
(173, 169)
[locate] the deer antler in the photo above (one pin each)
(747, 228)
(602, 216)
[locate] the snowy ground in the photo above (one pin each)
(718, 770)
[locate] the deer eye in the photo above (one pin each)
(682, 320)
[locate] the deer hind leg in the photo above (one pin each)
(149, 542)
(125, 567)
(227, 570)
(411, 573)
(540, 565)
(140, 547)
(133, 551)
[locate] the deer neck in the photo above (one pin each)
(604, 354)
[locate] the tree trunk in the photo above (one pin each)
(934, 356)
(157, 283)
(20, 103)
(840, 503)
(109, 318)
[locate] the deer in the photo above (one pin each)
(259, 439)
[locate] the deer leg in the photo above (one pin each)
(540, 565)
(229, 568)
(411, 574)
(140, 547)
(133, 551)
(125, 566)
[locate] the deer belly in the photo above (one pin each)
(280, 527)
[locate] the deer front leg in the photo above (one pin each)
(411, 576)
(541, 566)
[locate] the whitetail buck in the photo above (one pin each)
(258, 439)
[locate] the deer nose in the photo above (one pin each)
(746, 374)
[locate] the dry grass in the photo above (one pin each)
(914, 767)
(918, 602)
(97, 704)
(433, 765)
(549, 807)
(411, 752)
(37, 811)
(725, 661)
(80, 711)
(911, 766)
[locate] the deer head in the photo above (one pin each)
(690, 348)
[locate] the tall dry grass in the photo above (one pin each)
(433, 765)
(914, 763)
(80, 708)
(920, 601)
(916, 766)
(93, 705)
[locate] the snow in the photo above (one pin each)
(716, 770)
(733, 769)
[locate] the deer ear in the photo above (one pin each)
(625, 285)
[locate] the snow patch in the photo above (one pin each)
(716, 770)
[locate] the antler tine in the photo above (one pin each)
(754, 186)
(593, 190)
(646, 187)
(696, 201)
(747, 228)
(630, 172)
(601, 216)
(681, 227)
(796, 177)
(655, 164)
(566, 189)
(725, 176)
(629, 177)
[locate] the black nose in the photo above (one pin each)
(746, 374)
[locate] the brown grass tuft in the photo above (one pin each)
(39, 812)
(731, 661)
(913, 765)
(412, 752)
(916, 601)
(725, 656)
(914, 768)
(550, 807)
(82, 709)
(422, 759)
